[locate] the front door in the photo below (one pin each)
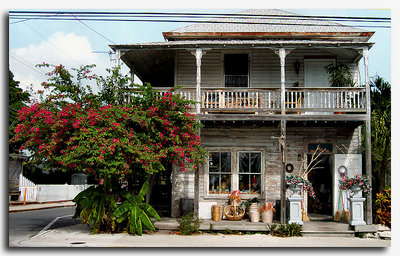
(321, 180)
(315, 74)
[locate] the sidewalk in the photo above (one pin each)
(80, 236)
(38, 206)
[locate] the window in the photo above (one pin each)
(236, 70)
(219, 173)
(250, 172)
(246, 175)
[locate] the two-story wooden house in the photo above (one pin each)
(265, 101)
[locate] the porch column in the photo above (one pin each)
(368, 159)
(118, 58)
(282, 52)
(282, 55)
(198, 53)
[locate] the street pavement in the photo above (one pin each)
(79, 235)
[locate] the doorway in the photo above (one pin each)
(236, 67)
(321, 180)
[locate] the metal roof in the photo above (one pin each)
(290, 23)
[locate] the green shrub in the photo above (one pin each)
(287, 230)
(383, 204)
(188, 225)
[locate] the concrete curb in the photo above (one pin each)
(39, 206)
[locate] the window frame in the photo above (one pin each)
(251, 173)
(220, 173)
(234, 172)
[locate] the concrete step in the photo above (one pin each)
(310, 228)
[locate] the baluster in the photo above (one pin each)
(257, 100)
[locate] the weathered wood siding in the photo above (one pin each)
(264, 67)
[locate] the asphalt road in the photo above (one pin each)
(23, 225)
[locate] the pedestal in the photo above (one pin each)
(357, 211)
(295, 209)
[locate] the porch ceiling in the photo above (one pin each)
(153, 66)
(154, 62)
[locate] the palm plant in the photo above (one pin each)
(136, 212)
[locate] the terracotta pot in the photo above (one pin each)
(267, 216)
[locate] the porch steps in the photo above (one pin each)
(327, 229)
(310, 228)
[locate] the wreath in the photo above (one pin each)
(289, 168)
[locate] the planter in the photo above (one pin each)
(216, 211)
(254, 216)
(295, 188)
(267, 216)
(356, 191)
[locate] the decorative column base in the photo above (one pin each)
(295, 209)
(357, 211)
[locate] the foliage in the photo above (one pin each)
(188, 224)
(347, 183)
(297, 180)
(383, 204)
(136, 211)
(287, 230)
(74, 131)
(109, 137)
(94, 206)
(339, 75)
(17, 99)
(268, 206)
(248, 202)
(381, 130)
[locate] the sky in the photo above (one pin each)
(72, 43)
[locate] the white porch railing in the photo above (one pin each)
(297, 100)
(326, 99)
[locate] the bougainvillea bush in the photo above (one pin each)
(103, 135)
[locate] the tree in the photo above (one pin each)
(17, 98)
(381, 130)
(71, 128)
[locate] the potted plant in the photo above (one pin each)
(267, 212)
(339, 76)
(356, 184)
(251, 206)
(296, 183)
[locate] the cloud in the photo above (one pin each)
(70, 50)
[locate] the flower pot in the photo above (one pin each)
(356, 191)
(216, 213)
(267, 216)
(295, 188)
(254, 216)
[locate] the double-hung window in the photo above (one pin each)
(219, 173)
(230, 170)
(250, 172)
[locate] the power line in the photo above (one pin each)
(93, 30)
(202, 21)
(295, 16)
(24, 62)
(55, 46)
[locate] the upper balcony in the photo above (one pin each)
(301, 103)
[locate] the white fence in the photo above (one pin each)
(31, 192)
(28, 189)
